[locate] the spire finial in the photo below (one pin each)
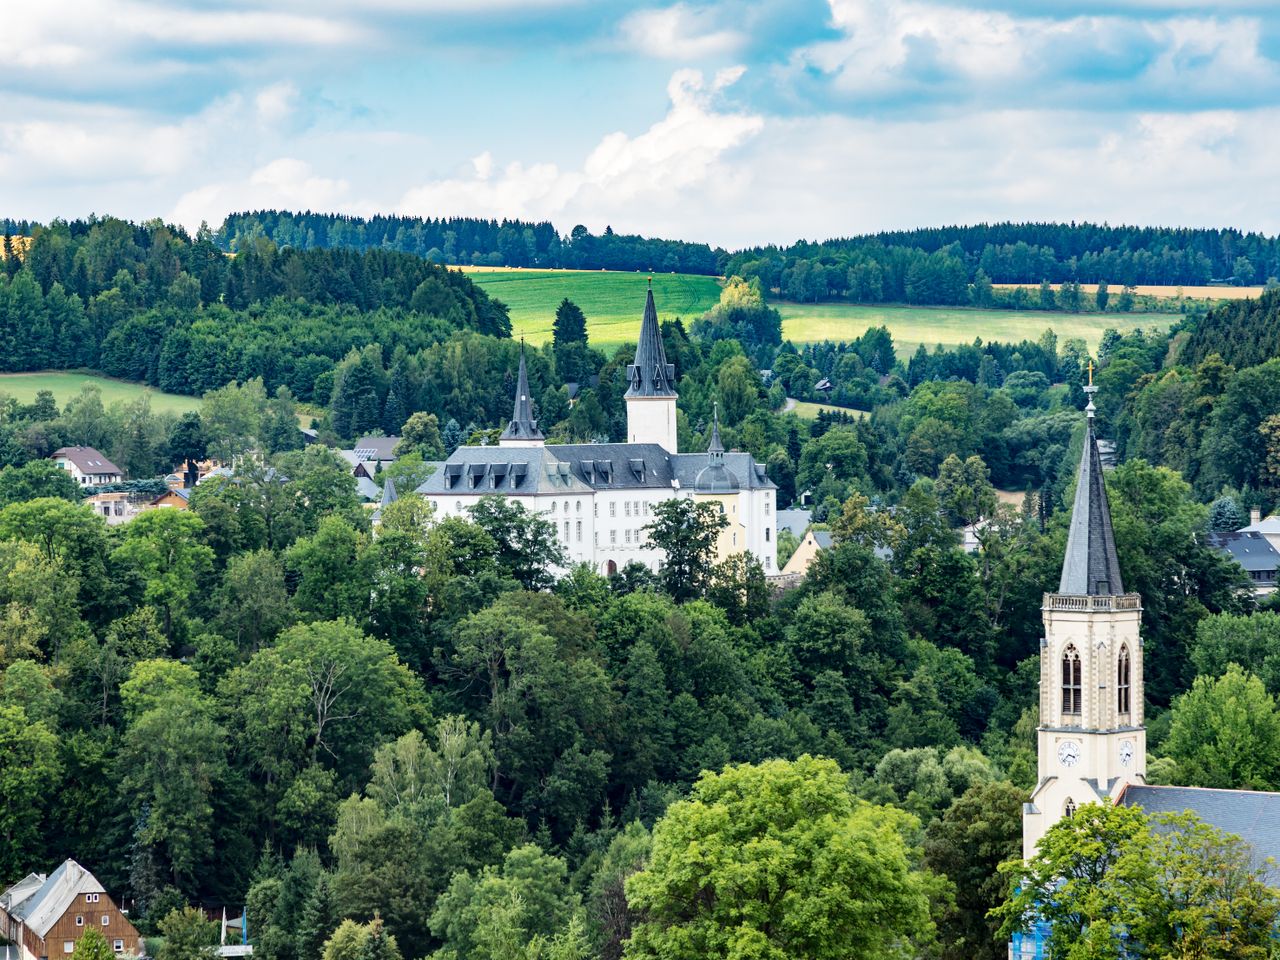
(650, 282)
(1090, 390)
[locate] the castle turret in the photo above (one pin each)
(651, 392)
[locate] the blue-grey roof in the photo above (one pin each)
(1091, 565)
(1251, 550)
(797, 521)
(650, 375)
(1252, 815)
(580, 468)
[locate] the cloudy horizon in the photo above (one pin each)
(734, 122)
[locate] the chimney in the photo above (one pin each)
(1255, 515)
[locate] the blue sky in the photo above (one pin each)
(731, 121)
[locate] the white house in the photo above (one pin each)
(89, 467)
(600, 496)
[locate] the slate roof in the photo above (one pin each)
(1251, 550)
(86, 459)
(367, 490)
(1251, 815)
(650, 375)
(715, 477)
(43, 908)
(797, 521)
(522, 425)
(1091, 565)
(580, 468)
(1271, 525)
(376, 448)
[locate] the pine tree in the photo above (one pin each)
(379, 945)
(318, 921)
(569, 326)
(453, 436)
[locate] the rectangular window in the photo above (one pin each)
(768, 563)
(68, 946)
(626, 508)
(613, 509)
(118, 946)
(79, 921)
(628, 535)
(613, 536)
(579, 531)
(566, 531)
(106, 920)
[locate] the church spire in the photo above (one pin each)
(715, 449)
(1091, 565)
(522, 429)
(651, 375)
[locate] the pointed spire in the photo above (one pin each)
(1091, 564)
(651, 375)
(522, 425)
(716, 448)
(389, 494)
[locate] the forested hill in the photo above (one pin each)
(1085, 252)
(147, 302)
(1243, 332)
(467, 240)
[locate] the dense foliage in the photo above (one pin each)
(428, 739)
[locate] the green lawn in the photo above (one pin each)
(612, 301)
(809, 411)
(24, 386)
(911, 326)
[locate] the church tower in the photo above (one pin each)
(651, 393)
(1091, 738)
(522, 430)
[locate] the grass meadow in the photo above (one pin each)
(614, 303)
(65, 385)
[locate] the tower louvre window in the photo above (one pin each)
(1069, 808)
(1122, 681)
(1071, 685)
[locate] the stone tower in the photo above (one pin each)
(651, 391)
(1091, 739)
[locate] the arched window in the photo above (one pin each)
(1122, 680)
(1071, 686)
(1069, 808)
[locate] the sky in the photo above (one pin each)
(735, 122)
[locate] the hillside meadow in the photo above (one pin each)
(614, 302)
(64, 385)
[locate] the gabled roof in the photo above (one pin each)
(367, 490)
(797, 521)
(1251, 550)
(1091, 565)
(650, 375)
(86, 459)
(1269, 525)
(522, 426)
(1251, 815)
(376, 448)
(41, 910)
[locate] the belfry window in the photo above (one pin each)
(1069, 808)
(1122, 681)
(1071, 686)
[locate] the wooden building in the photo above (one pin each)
(45, 915)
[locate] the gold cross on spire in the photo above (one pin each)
(1091, 373)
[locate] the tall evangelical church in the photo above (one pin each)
(600, 497)
(1092, 744)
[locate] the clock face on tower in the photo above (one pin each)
(1069, 753)
(1126, 752)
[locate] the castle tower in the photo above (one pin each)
(1091, 738)
(651, 394)
(523, 430)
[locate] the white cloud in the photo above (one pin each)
(284, 183)
(679, 32)
(623, 176)
(276, 102)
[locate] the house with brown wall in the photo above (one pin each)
(45, 915)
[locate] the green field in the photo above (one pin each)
(911, 326)
(24, 386)
(613, 302)
(809, 411)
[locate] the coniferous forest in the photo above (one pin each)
(419, 741)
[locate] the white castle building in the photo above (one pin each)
(600, 497)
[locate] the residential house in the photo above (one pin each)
(1254, 552)
(814, 542)
(89, 467)
(45, 915)
(177, 498)
(117, 508)
(795, 520)
(1269, 527)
